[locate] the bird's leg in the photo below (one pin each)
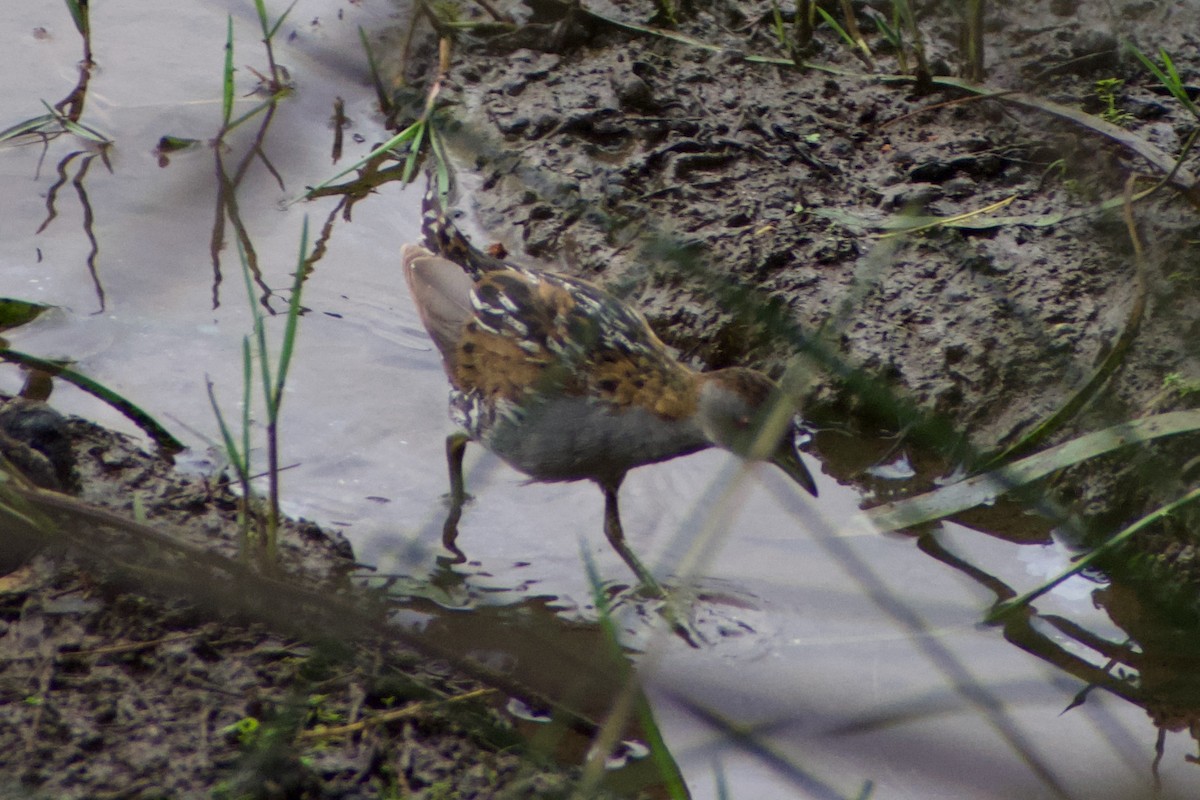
(456, 447)
(616, 537)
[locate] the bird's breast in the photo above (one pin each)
(575, 438)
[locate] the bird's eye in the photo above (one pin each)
(741, 423)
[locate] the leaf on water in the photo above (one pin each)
(170, 144)
(14, 313)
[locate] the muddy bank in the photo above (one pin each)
(684, 173)
(146, 662)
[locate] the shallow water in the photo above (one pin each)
(851, 655)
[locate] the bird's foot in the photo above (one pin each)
(455, 556)
(676, 612)
(670, 606)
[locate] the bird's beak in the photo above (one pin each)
(787, 458)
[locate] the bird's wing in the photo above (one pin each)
(441, 291)
(534, 332)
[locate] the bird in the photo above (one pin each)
(566, 382)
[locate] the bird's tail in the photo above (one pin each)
(444, 238)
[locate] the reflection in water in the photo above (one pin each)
(89, 217)
(64, 118)
(275, 86)
(568, 677)
(1157, 667)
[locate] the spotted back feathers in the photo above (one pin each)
(533, 332)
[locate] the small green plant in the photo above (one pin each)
(833, 23)
(849, 33)
(447, 12)
(777, 25)
(245, 731)
(903, 19)
(1176, 383)
(973, 49)
(1168, 76)
(64, 116)
(666, 12)
(272, 384)
(320, 714)
(274, 81)
(51, 124)
(1106, 90)
(411, 142)
(893, 33)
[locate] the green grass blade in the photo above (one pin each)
(1148, 64)
(381, 95)
(77, 128)
(275, 28)
(674, 36)
(139, 417)
(441, 162)
(264, 358)
(227, 75)
(258, 109)
(264, 366)
(28, 126)
(1167, 76)
(668, 769)
(260, 10)
(414, 151)
(54, 112)
(833, 23)
(1169, 67)
(85, 132)
(247, 383)
(399, 139)
(259, 333)
(239, 460)
(78, 16)
(293, 317)
(777, 24)
(1008, 606)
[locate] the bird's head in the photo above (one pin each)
(745, 412)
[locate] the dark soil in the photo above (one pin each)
(150, 663)
(744, 206)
